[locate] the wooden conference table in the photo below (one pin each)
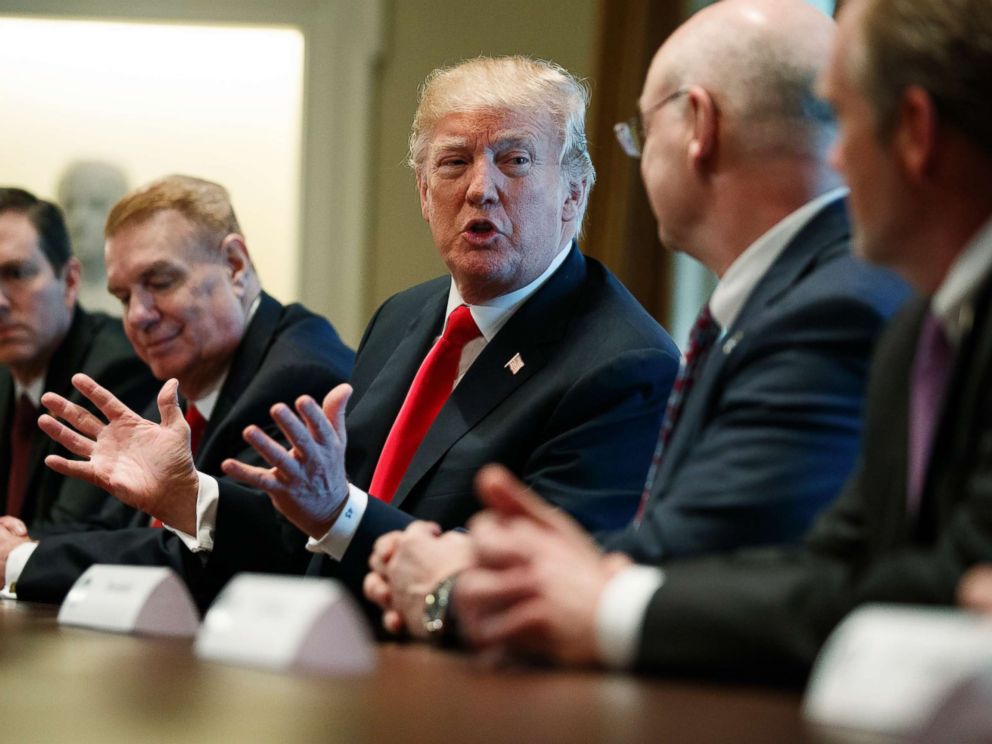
(68, 684)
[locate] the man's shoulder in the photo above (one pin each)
(104, 345)
(302, 336)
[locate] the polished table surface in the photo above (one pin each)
(69, 684)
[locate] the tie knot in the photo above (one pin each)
(461, 327)
(704, 332)
(25, 413)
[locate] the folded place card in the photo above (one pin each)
(886, 669)
(149, 600)
(287, 623)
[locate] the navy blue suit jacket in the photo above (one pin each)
(770, 431)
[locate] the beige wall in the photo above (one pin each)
(420, 35)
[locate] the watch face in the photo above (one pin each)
(436, 607)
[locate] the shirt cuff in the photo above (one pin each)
(620, 614)
(339, 537)
(207, 496)
(16, 560)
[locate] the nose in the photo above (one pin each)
(4, 301)
(834, 157)
(141, 312)
(482, 188)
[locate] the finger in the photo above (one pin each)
(483, 591)
(383, 550)
(253, 476)
(335, 405)
(170, 414)
(76, 443)
(975, 589)
(272, 452)
(316, 422)
(376, 590)
(73, 469)
(523, 626)
(81, 419)
(14, 524)
(502, 542)
(502, 491)
(292, 428)
(423, 528)
(102, 398)
(393, 622)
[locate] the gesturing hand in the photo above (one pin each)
(146, 465)
(307, 483)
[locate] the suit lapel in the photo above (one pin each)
(371, 417)
(247, 359)
(963, 408)
(822, 237)
(531, 334)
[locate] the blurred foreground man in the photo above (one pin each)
(764, 425)
(45, 337)
(908, 80)
(528, 354)
(195, 312)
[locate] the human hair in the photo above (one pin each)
(47, 220)
(943, 47)
(205, 204)
(516, 83)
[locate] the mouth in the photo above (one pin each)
(479, 231)
(155, 345)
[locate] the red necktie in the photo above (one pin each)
(196, 426)
(428, 393)
(21, 436)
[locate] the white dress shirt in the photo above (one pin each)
(624, 601)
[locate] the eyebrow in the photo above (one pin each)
(503, 140)
(157, 267)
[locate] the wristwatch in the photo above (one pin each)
(436, 620)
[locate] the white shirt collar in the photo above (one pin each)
(746, 271)
(952, 300)
(206, 403)
(493, 314)
(34, 389)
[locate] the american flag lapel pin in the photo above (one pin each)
(515, 364)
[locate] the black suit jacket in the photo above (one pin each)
(578, 421)
(771, 429)
(286, 352)
(768, 612)
(95, 344)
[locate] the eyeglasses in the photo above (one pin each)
(631, 133)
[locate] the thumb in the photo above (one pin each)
(502, 491)
(168, 404)
(335, 405)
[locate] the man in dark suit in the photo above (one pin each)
(768, 424)
(45, 336)
(916, 150)
(556, 369)
(194, 310)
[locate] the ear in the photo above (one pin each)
(702, 142)
(914, 137)
(575, 197)
(425, 198)
(71, 273)
(236, 259)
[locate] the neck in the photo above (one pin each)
(749, 201)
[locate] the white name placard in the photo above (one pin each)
(149, 600)
(887, 668)
(287, 623)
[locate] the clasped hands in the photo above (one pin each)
(529, 578)
(149, 465)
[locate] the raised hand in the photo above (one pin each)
(307, 482)
(146, 465)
